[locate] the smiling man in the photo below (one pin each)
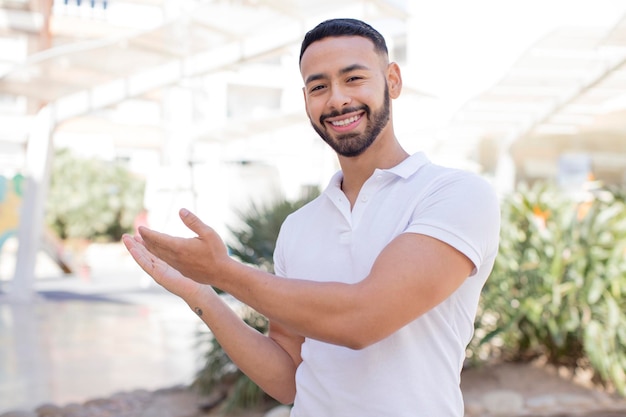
(345, 119)
(377, 280)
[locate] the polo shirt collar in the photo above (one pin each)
(404, 169)
(409, 166)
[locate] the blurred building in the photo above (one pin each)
(559, 113)
(203, 99)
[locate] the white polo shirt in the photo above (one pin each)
(415, 372)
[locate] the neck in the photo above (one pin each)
(356, 170)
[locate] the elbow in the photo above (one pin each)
(357, 346)
(285, 401)
(359, 341)
(286, 398)
(346, 334)
(360, 345)
(284, 394)
(361, 337)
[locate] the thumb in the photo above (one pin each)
(193, 222)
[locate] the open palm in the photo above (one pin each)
(162, 273)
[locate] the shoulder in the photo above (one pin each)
(419, 171)
(459, 206)
(453, 183)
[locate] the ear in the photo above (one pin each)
(394, 80)
(306, 106)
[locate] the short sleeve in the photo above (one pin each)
(462, 210)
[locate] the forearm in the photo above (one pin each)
(323, 311)
(262, 359)
(327, 315)
(411, 276)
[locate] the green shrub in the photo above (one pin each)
(253, 243)
(558, 284)
(92, 199)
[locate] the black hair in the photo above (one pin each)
(344, 27)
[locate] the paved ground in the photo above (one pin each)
(92, 334)
(109, 330)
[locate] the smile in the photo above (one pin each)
(345, 122)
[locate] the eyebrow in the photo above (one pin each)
(346, 70)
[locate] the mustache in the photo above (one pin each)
(346, 110)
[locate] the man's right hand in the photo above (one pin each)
(202, 258)
(162, 273)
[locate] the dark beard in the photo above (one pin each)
(354, 144)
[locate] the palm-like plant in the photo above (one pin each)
(252, 242)
(557, 288)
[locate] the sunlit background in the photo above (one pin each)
(202, 102)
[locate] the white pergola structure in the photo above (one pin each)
(569, 86)
(567, 92)
(78, 76)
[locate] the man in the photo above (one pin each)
(377, 280)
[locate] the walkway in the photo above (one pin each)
(112, 331)
(93, 335)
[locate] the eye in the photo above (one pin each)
(355, 78)
(316, 88)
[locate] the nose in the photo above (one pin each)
(338, 97)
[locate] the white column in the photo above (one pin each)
(37, 178)
(505, 170)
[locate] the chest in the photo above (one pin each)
(337, 243)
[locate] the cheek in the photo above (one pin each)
(312, 110)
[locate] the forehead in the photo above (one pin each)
(331, 54)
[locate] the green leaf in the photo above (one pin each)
(595, 291)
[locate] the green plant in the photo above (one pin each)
(252, 242)
(91, 198)
(557, 286)
(220, 377)
(254, 239)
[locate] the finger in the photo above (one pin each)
(156, 242)
(129, 241)
(146, 260)
(162, 273)
(193, 222)
(136, 249)
(138, 239)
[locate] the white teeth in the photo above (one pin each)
(345, 121)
